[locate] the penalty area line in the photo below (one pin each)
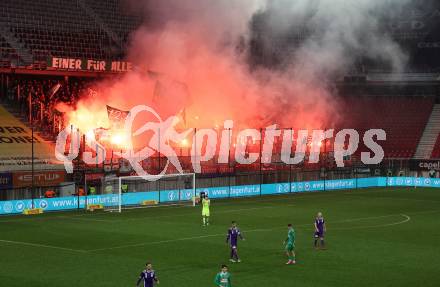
(407, 218)
(12, 242)
(170, 240)
(143, 218)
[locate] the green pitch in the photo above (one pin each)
(376, 237)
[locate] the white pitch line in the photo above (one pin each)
(81, 216)
(142, 218)
(225, 202)
(393, 198)
(171, 240)
(366, 218)
(155, 242)
(182, 215)
(407, 218)
(42, 245)
(85, 219)
(284, 197)
(175, 205)
(245, 209)
(425, 211)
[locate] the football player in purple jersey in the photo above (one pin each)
(319, 230)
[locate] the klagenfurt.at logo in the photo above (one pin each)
(164, 132)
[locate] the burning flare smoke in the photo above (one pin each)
(204, 61)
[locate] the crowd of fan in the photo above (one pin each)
(35, 99)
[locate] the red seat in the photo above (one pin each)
(403, 119)
(436, 151)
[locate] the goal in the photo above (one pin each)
(128, 192)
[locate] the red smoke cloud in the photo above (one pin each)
(188, 59)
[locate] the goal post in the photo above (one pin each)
(142, 191)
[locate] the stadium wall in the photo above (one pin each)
(164, 196)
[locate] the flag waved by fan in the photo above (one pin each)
(117, 118)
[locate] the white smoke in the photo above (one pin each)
(335, 33)
(206, 45)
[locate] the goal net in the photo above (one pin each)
(127, 192)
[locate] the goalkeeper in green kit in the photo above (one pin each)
(223, 278)
(205, 210)
(290, 244)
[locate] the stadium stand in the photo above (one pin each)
(361, 113)
(100, 29)
(115, 17)
(46, 118)
(436, 151)
(7, 53)
(390, 114)
(430, 134)
(67, 29)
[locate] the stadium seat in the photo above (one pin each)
(389, 114)
(436, 151)
(38, 26)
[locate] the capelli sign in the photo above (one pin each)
(425, 165)
(430, 165)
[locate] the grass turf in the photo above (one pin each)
(376, 237)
